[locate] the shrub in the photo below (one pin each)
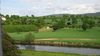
(29, 38)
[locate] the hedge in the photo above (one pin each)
(18, 28)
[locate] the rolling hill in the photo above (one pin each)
(89, 14)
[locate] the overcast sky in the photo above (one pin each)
(46, 7)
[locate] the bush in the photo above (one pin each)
(29, 38)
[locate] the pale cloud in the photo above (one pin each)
(49, 5)
(9, 10)
(31, 1)
(31, 11)
(79, 9)
(35, 8)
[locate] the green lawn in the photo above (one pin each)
(43, 53)
(73, 35)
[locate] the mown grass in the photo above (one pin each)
(44, 53)
(71, 35)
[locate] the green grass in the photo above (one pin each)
(43, 53)
(72, 35)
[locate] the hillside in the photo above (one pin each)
(89, 14)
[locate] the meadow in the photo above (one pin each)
(65, 35)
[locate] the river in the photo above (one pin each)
(82, 51)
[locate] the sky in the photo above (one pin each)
(47, 7)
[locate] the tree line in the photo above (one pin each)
(70, 21)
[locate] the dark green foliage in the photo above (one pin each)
(19, 28)
(7, 37)
(9, 49)
(85, 20)
(30, 22)
(29, 38)
(98, 21)
(91, 23)
(40, 23)
(59, 24)
(74, 20)
(88, 22)
(84, 26)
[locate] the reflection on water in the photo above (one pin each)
(26, 47)
(83, 51)
(30, 47)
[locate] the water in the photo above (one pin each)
(82, 51)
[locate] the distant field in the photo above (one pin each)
(42, 53)
(71, 35)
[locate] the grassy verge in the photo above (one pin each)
(44, 53)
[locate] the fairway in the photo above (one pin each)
(73, 35)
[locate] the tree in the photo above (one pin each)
(23, 20)
(32, 16)
(98, 23)
(7, 16)
(84, 26)
(29, 22)
(40, 23)
(9, 49)
(91, 23)
(59, 24)
(29, 38)
(74, 20)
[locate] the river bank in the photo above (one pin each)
(65, 44)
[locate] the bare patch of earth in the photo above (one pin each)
(79, 39)
(64, 39)
(48, 39)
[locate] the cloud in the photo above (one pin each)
(31, 11)
(79, 9)
(49, 5)
(9, 10)
(31, 1)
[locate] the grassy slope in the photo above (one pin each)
(42, 53)
(64, 35)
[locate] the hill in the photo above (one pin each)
(89, 14)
